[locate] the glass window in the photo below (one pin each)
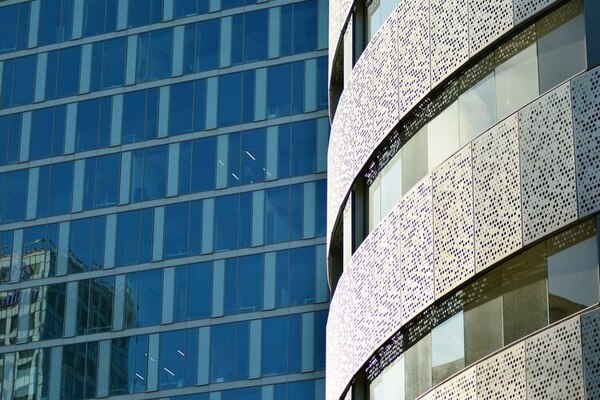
(128, 364)
(252, 393)
(250, 283)
(414, 160)
(319, 353)
(101, 181)
(442, 136)
(302, 276)
(10, 138)
(417, 368)
(17, 85)
(148, 173)
(572, 271)
(143, 296)
(108, 66)
(516, 81)
(277, 215)
(256, 35)
(154, 55)
(286, 32)
(184, 8)
(99, 16)
(295, 344)
(284, 153)
(144, 12)
(561, 45)
(41, 239)
(391, 184)
(203, 164)
(56, 20)
(253, 156)
(279, 90)
(242, 350)
(100, 308)
(305, 26)
(47, 132)
(193, 292)
(229, 107)
(200, 104)
(79, 369)
(14, 24)
(303, 143)
(31, 365)
(63, 72)
(477, 109)
(207, 45)
(15, 194)
(172, 359)
(374, 203)
(140, 110)
(282, 284)
(274, 346)
(373, 18)
(93, 124)
(448, 348)
(177, 226)
(226, 222)
(181, 108)
(86, 245)
(524, 295)
(390, 383)
(61, 188)
(134, 234)
(223, 354)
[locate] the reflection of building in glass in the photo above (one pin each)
(162, 199)
(463, 206)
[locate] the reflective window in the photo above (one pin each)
(185, 8)
(108, 64)
(193, 292)
(14, 26)
(274, 346)
(305, 26)
(148, 173)
(178, 359)
(223, 354)
(279, 96)
(303, 147)
(55, 190)
(47, 133)
(390, 384)
(250, 283)
(447, 348)
(197, 160)
(30, 366)
(417, 368)
(255, 35)
(277, 215)
(93, 124)
(144, 12)
(140, 110)
(62, 72)
(17, 85)
(128, 365)
(56, 21)
(101, 181)
(143, 299)
(177, 227)
(477, 109)
(79, 370)
(226, 223)
(15, 194)
(302, 276)
(134, 234)
(154, 54)
(99, 16)
(9, 317)
(10, 138)
(442, 136)
(181, 116)
(40, 250)
(86, 244)
(229, 108)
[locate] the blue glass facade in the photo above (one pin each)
(162, 199)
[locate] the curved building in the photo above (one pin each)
(162, 199)
(464, 192)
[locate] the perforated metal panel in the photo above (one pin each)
(449, 37)
(590, 340)
(554, 367)
(453, 222)
(497, 193)
(585, 92)
(547, 164)
(503, 377)
(384, 71)
(461, 387)
(487, 21)
(525, 9)
(416, 249)
(362, 117)
(414, 69)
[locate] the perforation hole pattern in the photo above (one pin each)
(463, 387)
(453, 221)
(449, 36)
(487, 21)
(497, 193)
(527, 8)
(585, 92)
(590, 340)
(503, 377)
(554, 367)
(547, 164)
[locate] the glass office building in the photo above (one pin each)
(162, 199)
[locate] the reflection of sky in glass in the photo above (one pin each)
(573, 273)
(447, 341)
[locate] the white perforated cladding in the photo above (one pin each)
(497, 193)
(414, 70)
(525, 9)
(547, 164)
(487, 21)
(453, 221)
(363, 113)
(416, 249)
(554, 367)
(585, 92)
(461, 387)
(449, 37)
(503, 376)
(590, 340)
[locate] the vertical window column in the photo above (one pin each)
(110, 241)
(152, 378)
(24, 315)
(78, 185)
(212, 96)
(116, 124)
(71, 308)
(119, 303)
(125, 183)
(214, 5)
(208, 213)
(159, 229)
(103, 384)
(270, 273)
(322, 142)
(178, 43)
(260, 94)
(86, 69)
(173, 170)
(255, 351)
(63, 248)
(310, 85)
(9, 375)
(34, 18)
(272, 158)
(32, 193)
(322, 292)
(203, 355)
(222, 161)
(168, 292)
(322, 26)
(40, 78)
(167, 10)
(218, 288)
(15, 265)
(309, 204)
(77, 19)
(258, 227)
(122, 9)
(225, 44)
(70, 129)
(308, 342)
(130, 69)
(274, 29)
(163, 111)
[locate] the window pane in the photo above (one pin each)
(42, 122)
(250, 283)
(199, 302)
(172, 359)
(23, 84)
(203, 164)
(255, 35)
(279, 93)
(414, 160)
(226, 222)
(208, 45)
(107, 190)
(113, 65)
(477, 108)
(417, 364)
(176, 230)
(302, 276)
(303, 156)
(149, 303)
(128, 237)
(305, 26)
(229, 111)
(253, 156)
(101, 304)
(447, 348)
(442, 136)
(61, 188)
(274, 346)
(155, 173)
(277, 215)
(222, 351)
(182, 104)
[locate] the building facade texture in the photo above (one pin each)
(162, 199)
(464, 167)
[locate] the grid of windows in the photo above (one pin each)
(162, 188)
